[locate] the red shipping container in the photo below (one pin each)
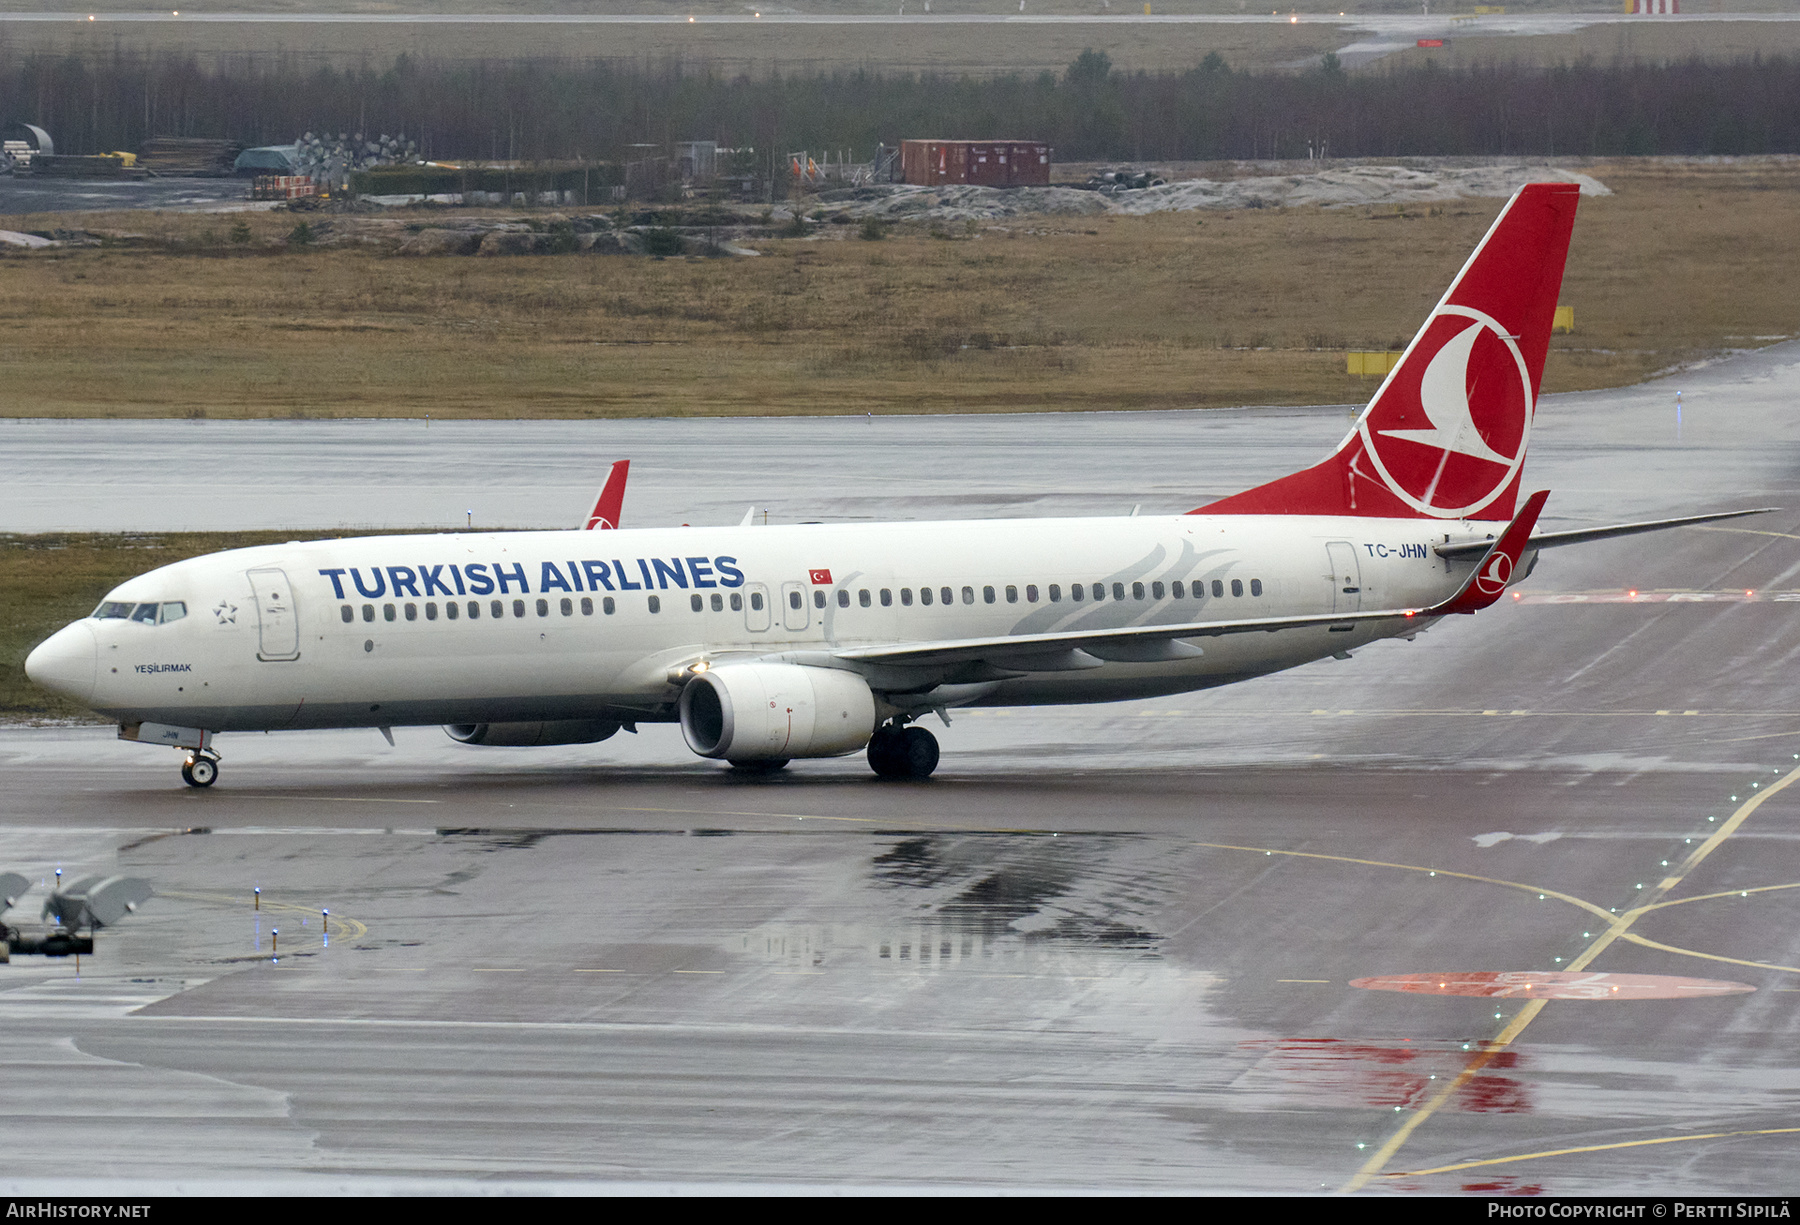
(986, 163)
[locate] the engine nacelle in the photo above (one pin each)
(770, 712)
(521, 735)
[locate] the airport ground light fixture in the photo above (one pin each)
(88, 904)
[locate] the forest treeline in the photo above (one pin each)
(600, 109)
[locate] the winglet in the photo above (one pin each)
(1489, 581)
(607, 506)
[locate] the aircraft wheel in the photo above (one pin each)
(765, 765)
(886, 747)
(199, 771)
(918, 753)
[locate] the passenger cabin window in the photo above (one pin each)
(844, 598)
(606, 605)
(518, 608)
(368, 612)
(1156, 590)
(587, 606)
(1031, 593)
(862, 598)
(1119, 591)
(1175, 589)
(1100, 592)
(431, 610)
(1218, 588)
(793, 599)
(718, 602)
(1077, 592)
(737, 601)
(543, 608)
(756, 601)
(887, 598)
(1012, 594)
(818, 599)
(655, 604)
(949, 596)
(474, 610)
(1255, 586)
(697, 603)
(924, 595)
(568, 607)
(906, 597)
(450, 610)
(348, 613)
(1237, 586)
(1137, 591)
(496, 609)
(412, 612)
(387, 612)
(1055, 593)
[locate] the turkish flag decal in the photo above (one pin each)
(820, 578)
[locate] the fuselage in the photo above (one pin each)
(510, 626)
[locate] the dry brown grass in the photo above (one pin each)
(973, 49)
(1052, 313)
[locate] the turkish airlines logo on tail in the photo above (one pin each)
(1447, 432)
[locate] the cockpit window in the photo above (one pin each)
(143, 614)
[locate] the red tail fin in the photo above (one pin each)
(1445, 435)
(611, 501)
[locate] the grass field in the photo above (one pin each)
(1174, 310)
(980, 50)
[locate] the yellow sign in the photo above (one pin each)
(1564, 320)
(1365, 364)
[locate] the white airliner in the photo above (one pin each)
(772, 643)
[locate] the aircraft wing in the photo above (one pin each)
(1081, 649)
(1550, 540)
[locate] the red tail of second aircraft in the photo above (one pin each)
(1445, 435)
(605, 515)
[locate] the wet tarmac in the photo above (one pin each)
(1107, 948)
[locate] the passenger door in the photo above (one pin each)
(275, 615)
(1346, 577)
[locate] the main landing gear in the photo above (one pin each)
(902, 752)
(200, 770)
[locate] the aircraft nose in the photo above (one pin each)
(66, 662)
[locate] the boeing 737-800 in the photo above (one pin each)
(778, 642)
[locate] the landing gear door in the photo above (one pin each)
(756, 608)
(1346, 577)
(275, 615)
(794, 613)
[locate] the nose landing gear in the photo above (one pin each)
(902, 752)
(200, 770)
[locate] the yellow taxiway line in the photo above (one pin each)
(1617, 927)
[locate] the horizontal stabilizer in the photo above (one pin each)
(1550, 540)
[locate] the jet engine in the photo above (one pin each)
(521, 735)
(771, 712)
